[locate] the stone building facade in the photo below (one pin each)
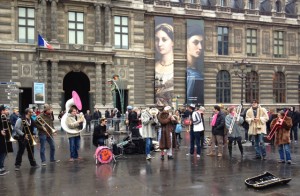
(86, 65)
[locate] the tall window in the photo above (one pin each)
(121, 32)
(223, 87)
(223, 40)
(251, 4)
(26, 25)
(76, 29)
(278, 43)
(252, 86)
(222, 3)
(278, 6)
(251, 42)
(279, 88)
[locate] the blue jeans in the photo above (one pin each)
(259, 145)
(2, 158)
(74, 146)
(197, 136)
(192, 141)
(148, 145)
(100, 141)
(43, 139)
(284, 149)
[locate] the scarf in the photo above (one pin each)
(213, 122)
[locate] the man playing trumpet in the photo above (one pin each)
(44, 124)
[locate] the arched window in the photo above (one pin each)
(223, 87)
(252, 86)
(279, 88)
(278, 6)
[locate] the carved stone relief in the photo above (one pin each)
(266, 42)
(238, 40)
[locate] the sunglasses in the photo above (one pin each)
(105, 121)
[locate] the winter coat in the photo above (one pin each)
(282, 135)
(148, 125)
(219, 127)
(237, 130)
(48, 119)
(167, 127)
(259, 127)
(72, 123)
(99, 132)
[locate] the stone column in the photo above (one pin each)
(107, 26)
(98, 93)
(44, 75)
(98, 24)
(54, 87)
(108, 93)
(54, 20)
(43, 15)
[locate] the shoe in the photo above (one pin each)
(44, 164)
(170, 157)
(35, 166)
(211, 154)
(219, 154)
(162, 157)
(281, 161)
(3, 172)
(148, 157)
(17, 167)
(289, 162)
(71, 160)
(55, 161)
(257, 157)
(295, 141)
(198, 155)
(263, 158)
(189, 154)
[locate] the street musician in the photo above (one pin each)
(5, 145)
(283, 125)
(44, 124)
(257, 118)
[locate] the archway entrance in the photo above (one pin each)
(79, 82)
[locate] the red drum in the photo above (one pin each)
(103, 154)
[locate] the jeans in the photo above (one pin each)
(74, 146)
(43, 139)
(259, 145)
(238, 140)
(30, 151)
(2, 158)
(101, 142)
(197, 136)
(192, 141)
(148, 145)
(294, 132)
(88, 126)
(117, 125)
(284, 149)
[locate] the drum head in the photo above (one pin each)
(104, 154)
(77, 100)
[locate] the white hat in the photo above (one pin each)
(167, 108)
(192, 105)
(202, 108)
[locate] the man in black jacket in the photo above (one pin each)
(218, 125)
(295, 119)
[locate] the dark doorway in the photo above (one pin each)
(79, 82)
(118, 100)
(25, 98)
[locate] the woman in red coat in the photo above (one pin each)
(282, 136)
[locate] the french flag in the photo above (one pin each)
(42, 42)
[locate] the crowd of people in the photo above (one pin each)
(228, 126)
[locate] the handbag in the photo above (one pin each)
(187, 122)
(178, 128)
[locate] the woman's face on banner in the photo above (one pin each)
(163, 42)
(194, 46)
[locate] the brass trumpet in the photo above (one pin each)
(43, 123)
(26, 126)
(7, 127)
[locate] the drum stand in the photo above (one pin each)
(121, 155)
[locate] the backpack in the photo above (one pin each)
(118, 114)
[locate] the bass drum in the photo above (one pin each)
(103, 154)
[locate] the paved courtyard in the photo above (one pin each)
(136, 176)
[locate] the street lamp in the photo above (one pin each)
(114, 82)
(241, 69)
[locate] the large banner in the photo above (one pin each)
(195, 62)
(164, 61)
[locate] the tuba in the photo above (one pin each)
(75, 100)
(153, 111)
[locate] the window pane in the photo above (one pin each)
(124, 41)
(71, 25)
(254, 41)
(225, 38)
(79, 37)
(280, 50)
(30, 13)
(22, 34)
(80, 26)
(22, 22)
(254, 33)
(31, 22)
(248, 49)
(22, 12)
(72, 37)
(254, 49)
(225, 30)
(30, 35)
(117, 29)
(80, 17)
(117, 40)
(248, 40)
(124, 21)
(117, 20)
(219, 30)
(219, 38)
(72, 16)
(248, 33)
(125, 29)
(225, 48)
